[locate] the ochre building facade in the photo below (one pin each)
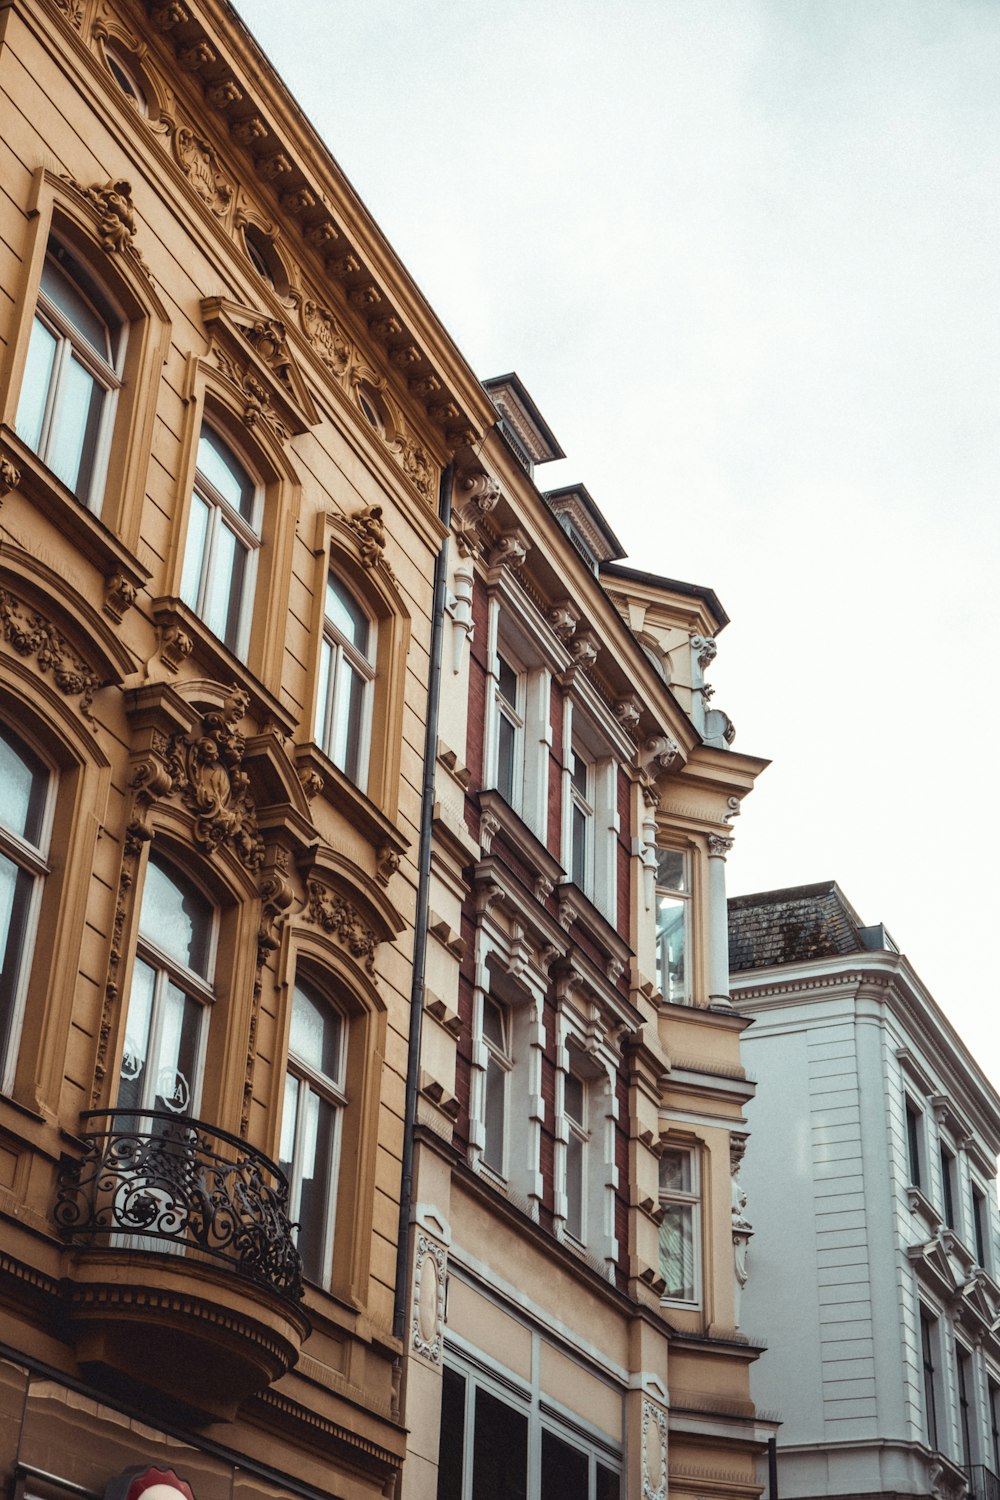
(371, 1105)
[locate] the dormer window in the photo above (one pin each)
(579, 541)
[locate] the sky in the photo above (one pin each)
(744, 256)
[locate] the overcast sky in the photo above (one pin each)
(745, 255)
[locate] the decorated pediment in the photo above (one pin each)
(352, 911)
(945, 1263)
(252, 352)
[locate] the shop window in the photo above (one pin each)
(680, 1229)
(223, 541)
(346, 682)
(311, 1124)
(25, 817)
(72, 377)
(673, 904)
(171, 995)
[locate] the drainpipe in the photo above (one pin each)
(772, 1468)
(423, 905)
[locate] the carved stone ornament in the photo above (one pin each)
(481, 492)
(298, 201)
(31, 634)
(660, 752)
(201, 166)
(119, 596)
(326, 336)
(248, 131)
(221, 95)
(269, 340)
(116, 214)
(312, 782)
(489, 826)
(584, 648)
(627, 712)
(175, 646)
(198, 55)
(416, 465)
(368, 526)
(706, 647)
(72, 10)
(329, 910)
(207, 773)
(10, 475)
(719, 847)
(322, 235)
(510, 551)
(564, 619)
(257, 401)
(427, 1326)
(654, 1452)
(386, 863)
(166, 17)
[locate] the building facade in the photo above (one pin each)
(370, 1088)
(871, 1178)
(580, 1082)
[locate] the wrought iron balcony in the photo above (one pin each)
(983, 1483)
(151, 1180)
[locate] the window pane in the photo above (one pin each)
(220, 466)
(88, 452)
(578, 772)
(23, 784)
(494, 1029)
(177, 918)
(677, 1251)
(348, 719)
(608, 1484)
(574, 1186)
(573, 1098)
(346, 615)
(323, 707)
(36, 384)
(508, 682)
(500, 1451)
(670, 869)
(495, 1114)
(224, 584)
(194, 552)
(75, 308)
(131, 1083)
(565, 1470)
(15, 901)
(452, 1445)
(315, 1034)
(579, 848)
(69, 447)
(675, 1172)
(670, 954)
(507, 739)
(177, 1054)
(289, 1123)
(315, 1171)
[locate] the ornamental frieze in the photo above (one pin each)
(30, 634)
(331, 911)
(206, 772)
(200, 165)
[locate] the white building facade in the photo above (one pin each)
(871, 1186)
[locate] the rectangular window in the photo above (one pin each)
(964, 1372)
(679, 1228)
(499, 1061)
(578, 1137)
(499, 1450)
(581, 832)
(673, 896)
(948, 1186)
(510, 691)
(914, 1132)
(927, 1339)
(223, 538)
(979, 1223)
(994, 1396)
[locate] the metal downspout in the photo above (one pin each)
(423, 905)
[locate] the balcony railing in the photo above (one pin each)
(151, 1180)
(983, 1483)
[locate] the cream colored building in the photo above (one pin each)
(267, 1227)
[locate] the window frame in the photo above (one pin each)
(929, 1335)
(34, 859)
(690, 1201)
(223, 515)
(579, 1130)
(914, 1137)
(343, 652)
(499, 1058)
(332, 1091)
(979, 1209)
(512, 713)
(950, 1200)
(681, 898)
(71, 344)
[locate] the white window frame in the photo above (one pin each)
(501, 1059)
(197, 987)
(982, 1224)
(929, 1355)
(222, 515)
(580, 861)
(513, 714)
(680, 898)
(331, 1091)
(578, 1130)
(70, 344)
(513, 634)
(586, 738)
(691, 1201)
(344, 655)
(34, 860)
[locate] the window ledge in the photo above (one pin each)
(184, 634)
(50, 497)
(330, 782)
(530, 849)
(924, 1209)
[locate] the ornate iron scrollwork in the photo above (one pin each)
(150, 1180)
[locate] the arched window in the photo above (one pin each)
(223, 540)
(310, 1124)
(71, 378)
(125, 71)
(25, 786)
(171, 994)
(346, 680)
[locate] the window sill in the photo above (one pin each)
(50, 497)
(924, 1209)
(183, 634)
(330, 783)
(546, 870)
